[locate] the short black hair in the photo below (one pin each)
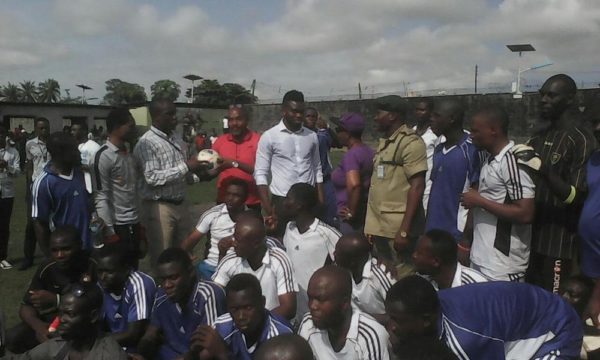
(567, 81)
(245, 110)
(496, 114)
(117, 251)
(58, 143)
(428, 101)
(416, 294)
(293, 95)
(306, 194)
(245, 282)
(81, 123)
(342, 279)
(155, 106)
(456, 108)
(89, 292)
(235, 181)
(67, 231)
(286, 345)
(443, 246)
(116, 118)
(41, 119)
(424, 348)
(175, 255)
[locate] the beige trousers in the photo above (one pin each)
(166, 225)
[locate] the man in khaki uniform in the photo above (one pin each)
(394, 208)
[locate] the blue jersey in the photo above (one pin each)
(236, 343)
(206, 303)
(589, 226)
(453, 172)
(62, 200)
(134, 303)
(325, 143)
(498, 320)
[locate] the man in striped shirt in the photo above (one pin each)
(128, 295)
(503, 205)
(370, 279)
(333, 328)
(564, 147)
(241, 332)
(271, 265)
(182, 304)
(436, 257)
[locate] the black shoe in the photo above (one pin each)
(25, 264)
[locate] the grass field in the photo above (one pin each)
(14, 283)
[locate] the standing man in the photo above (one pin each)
(59, 195)
(314, 122)
(394, 207)
(564, 147)
(162, 161)
(288, 153)
(87, 148)
(423, 111)
(9, 169)
(455, 169)
(503, 205)
(37, 156)
(115, 177)
(237, 149)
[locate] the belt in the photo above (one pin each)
(172, 202)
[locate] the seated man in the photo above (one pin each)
(182, 304)
(333, 328)
(285, 347)
(492, 320)
(370, 279)
(128, 295)
(219, 221)
(310, 242)
(79, 312)
(69, 264)
(271, 265)
(238, 334)
(436, 257)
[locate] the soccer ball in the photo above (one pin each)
(210, 157)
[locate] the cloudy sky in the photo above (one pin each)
(322, 47)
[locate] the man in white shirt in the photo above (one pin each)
(370, 279)
(423, 128)
(271, 265)
(503, 206)
(87, 148)
(288, 153)
(436, 257)
(9, 169)
(37, 156)
(219, 222)
(333, 328)
(309, 242)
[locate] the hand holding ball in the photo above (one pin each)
(210, 158)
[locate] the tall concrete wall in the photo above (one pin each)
(523, 112)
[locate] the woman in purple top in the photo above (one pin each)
(352, 177)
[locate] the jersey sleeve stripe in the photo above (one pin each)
(140, 299)
(35, 189)
(224, 260)
(210, 306)
(372, 339)
(287, 269)
(514, 175)
(381, 276)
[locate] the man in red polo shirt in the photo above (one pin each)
(238, 151)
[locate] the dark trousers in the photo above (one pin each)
(548, 272)
(6, 207)
(29, 243)
(282, 218)
(130, 236)
(20, 338)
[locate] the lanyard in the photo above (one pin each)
(169, 141)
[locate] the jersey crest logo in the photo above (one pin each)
(555, 158)
(75, 193)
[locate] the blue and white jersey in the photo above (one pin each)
(504, 320)
(205, 304)
(134, 303)
(235, 340)
(62, 200)
(454, 170)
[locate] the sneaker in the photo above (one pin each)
(5, 265)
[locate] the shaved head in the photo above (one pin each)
(285, 347)
(335, 278)
(352, 251)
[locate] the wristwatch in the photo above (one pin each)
(403, 234)
(235, 164)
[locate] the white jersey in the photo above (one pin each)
(369, 295)
(88, 150)
(501, 248)
(462, 276)
(217, 221)
(366, 339)
(308, 253)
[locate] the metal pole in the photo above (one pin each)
(192, 97)
(476, 68)
(519, 76)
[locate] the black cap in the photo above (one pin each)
(391, 103)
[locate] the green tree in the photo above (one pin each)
(10, 93)
(119, 92)
(165, 89)
(49, 91)
(210, 92)
(29, 91)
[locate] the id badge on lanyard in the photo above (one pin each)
(380, 171)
